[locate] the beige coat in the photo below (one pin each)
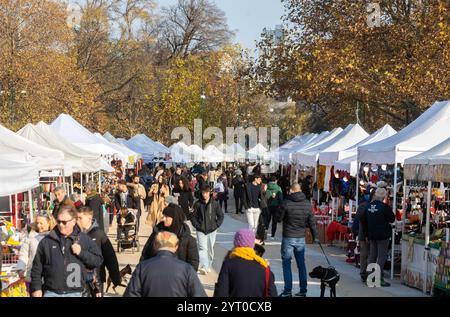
(139, 192)
(156, 208)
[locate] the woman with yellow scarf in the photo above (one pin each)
(243, 272)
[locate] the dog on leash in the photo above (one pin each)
(328, 277)
(123, 272)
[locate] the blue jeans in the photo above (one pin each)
(53, 294)
(206, 249)
(296, 246)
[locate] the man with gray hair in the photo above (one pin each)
(61, 200)
(376, 220)
(165, 275)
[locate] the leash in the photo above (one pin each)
(320, 245)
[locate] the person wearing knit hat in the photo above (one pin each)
(376, 222)
(243, 272)
(244, 238)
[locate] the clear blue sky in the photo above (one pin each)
(246, 17)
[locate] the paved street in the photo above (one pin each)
(348, 286)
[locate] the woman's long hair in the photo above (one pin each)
(186, 187)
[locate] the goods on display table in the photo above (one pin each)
(442, 277)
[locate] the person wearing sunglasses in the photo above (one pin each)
(63, 258)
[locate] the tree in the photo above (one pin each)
(39, 78)
(192, 27)
(332, 61)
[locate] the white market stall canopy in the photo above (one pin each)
(352, 135)
(315, 144)
(18, 177)
(132, 156)
(196, 152)
(179, 153)
(285, 154)
(14, 147)
(425, 132)
(149, 149)
(431, 165)
(79, 159)
(75, 133)
(235, 152)
(213, 155)
(348, 161)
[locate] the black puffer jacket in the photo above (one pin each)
(187, 246)
(296, 214)
(109, 256)
(208, 217)
(55, 263)
(243, 278)
(95, 202)
(164, 276)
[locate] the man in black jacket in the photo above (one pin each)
(296, 214)
(252, 202)
(165, 275)
(376, 220)
(125, 199)
(90, 226)
(207, 218)
(360, 231)
(95, 203)
(238, 190)
(62, 258)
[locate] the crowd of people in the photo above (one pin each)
(67, 251)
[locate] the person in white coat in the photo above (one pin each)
(43, 224)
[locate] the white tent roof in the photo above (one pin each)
(213, 155)
(438, 155)
(108, 136)
(258, 149)
(433, 164)
(323, 138)
(18, 177)
(296, 140)
(17, 148)
(286, 154)
(196, 152)
(424, 133)
(179, 153)
(74, 132)
(352, 135)
(348, 158)
(147, 147)
(79, 159)
(132, 156)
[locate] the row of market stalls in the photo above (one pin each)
(414, 163)
(182, 153)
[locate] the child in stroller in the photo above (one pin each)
(124, 218)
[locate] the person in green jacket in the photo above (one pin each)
(274, 197)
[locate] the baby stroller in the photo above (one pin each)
(132, 242)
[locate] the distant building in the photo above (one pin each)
(276, 34)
